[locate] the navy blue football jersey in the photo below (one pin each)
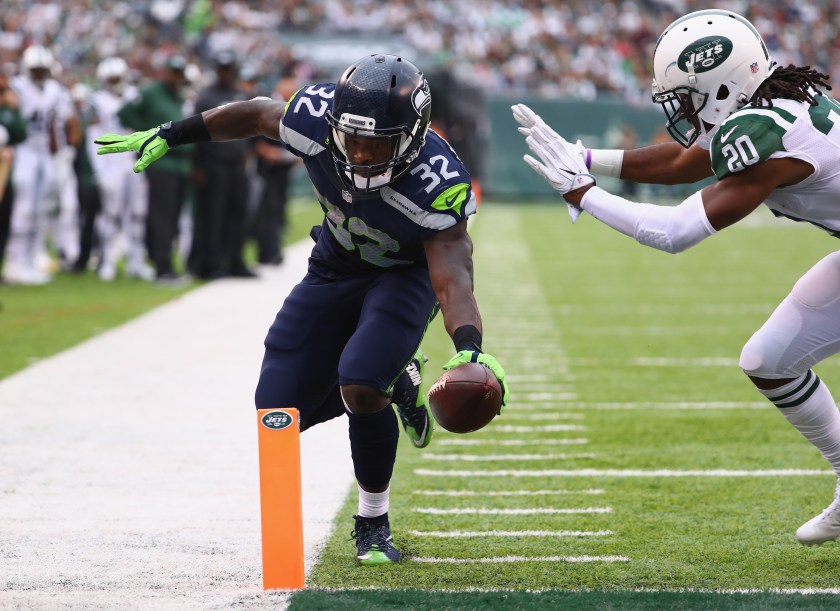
(364, 233)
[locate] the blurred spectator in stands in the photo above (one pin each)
(221, 186)
(12, 131)
(156, 103)
(274, 166)
(498, 45)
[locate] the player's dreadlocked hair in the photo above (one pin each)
(792, 83)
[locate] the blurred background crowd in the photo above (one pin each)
(74, 69)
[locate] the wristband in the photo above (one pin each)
(606, 162)
(192, 129)
(467, 337)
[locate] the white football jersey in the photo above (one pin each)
(42, 108)
(105, 105)
(788, 129)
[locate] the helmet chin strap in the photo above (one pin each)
(704, 140)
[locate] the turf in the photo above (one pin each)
(598, 332)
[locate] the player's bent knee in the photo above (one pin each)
(757, 359)
(820, 286)
(359, 399)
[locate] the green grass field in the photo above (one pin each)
(622, 361)
(622, 474)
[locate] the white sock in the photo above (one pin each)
(373, 504)
(808, 405)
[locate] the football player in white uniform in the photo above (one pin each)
(40, 98)
(769, 135)
(121, 222)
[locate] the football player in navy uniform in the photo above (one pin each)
(393, 248)
(769, 134)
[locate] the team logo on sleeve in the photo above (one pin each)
(705, 53)
(421, 97)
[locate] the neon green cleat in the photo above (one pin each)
(412, 407)
(374, 543)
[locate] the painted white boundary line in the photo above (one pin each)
(506, 492)
(507, 559)
(626, 473)
(485, 511)
(457, 534)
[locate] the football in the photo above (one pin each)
(465, 398)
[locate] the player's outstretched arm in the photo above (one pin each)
(449, 255)
(666, 164)
(671, 228)
(257, 117)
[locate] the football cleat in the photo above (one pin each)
(824, 527)
(374, 543)
(412, 407)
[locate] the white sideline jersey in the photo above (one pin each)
(42, 108)
(788, 129)
(105, 105)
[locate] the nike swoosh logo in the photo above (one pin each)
(726, 135)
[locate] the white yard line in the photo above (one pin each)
(492, 457)
(129, 462)
(663, 406)
(521, 559)
(643, 330)
(528, 377)
(468, 534)
(493, 511)
(545, 387)
(548, 428)
(511, 442)
(520, 413)
(526, 397)
(708, 361)
(625, 473)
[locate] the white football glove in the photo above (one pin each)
(563, 164)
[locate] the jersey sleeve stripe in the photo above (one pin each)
(299, 142)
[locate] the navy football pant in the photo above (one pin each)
(359, 330)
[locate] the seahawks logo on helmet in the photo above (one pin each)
(705, 54)
(421, 97)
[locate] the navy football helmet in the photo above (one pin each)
(380, 114)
